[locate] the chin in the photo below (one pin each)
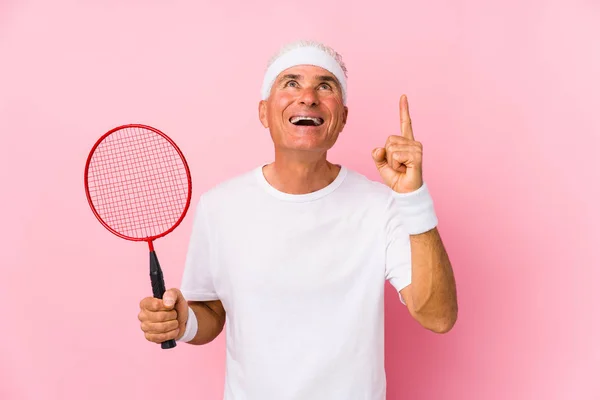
(306, 144)
(305, 138)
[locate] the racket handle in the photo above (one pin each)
(158, 289)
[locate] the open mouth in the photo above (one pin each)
(301, 120)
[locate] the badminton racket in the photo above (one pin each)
(139, 187)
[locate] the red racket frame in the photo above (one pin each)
(148, 239)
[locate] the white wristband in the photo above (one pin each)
(191, 327)
(417, 210)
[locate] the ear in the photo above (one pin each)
(344, 118)
(262, 113)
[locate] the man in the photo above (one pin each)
(294, 254)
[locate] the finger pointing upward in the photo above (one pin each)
(405, 123)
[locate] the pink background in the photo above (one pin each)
(503, 96)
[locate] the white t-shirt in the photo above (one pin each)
(301, 278)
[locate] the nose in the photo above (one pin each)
(309, 97)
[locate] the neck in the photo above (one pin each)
(300, 174)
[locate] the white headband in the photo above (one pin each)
(303, 56)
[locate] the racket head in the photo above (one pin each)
(137, 182)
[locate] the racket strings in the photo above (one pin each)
(138, 182)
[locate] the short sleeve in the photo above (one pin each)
(398, 265)
(197, 282)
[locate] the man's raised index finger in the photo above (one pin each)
(405, 122)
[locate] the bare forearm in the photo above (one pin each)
(211, 319)
(433, 299)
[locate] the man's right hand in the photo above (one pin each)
(164, 319)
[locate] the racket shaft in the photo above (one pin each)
(158, 289)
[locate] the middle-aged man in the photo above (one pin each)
(294, 254)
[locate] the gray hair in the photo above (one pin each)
(310, 43)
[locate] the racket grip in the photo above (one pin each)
(158, 289)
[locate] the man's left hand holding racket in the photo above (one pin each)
(164, 319)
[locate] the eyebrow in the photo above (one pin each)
(289, 76)
(323, 78)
